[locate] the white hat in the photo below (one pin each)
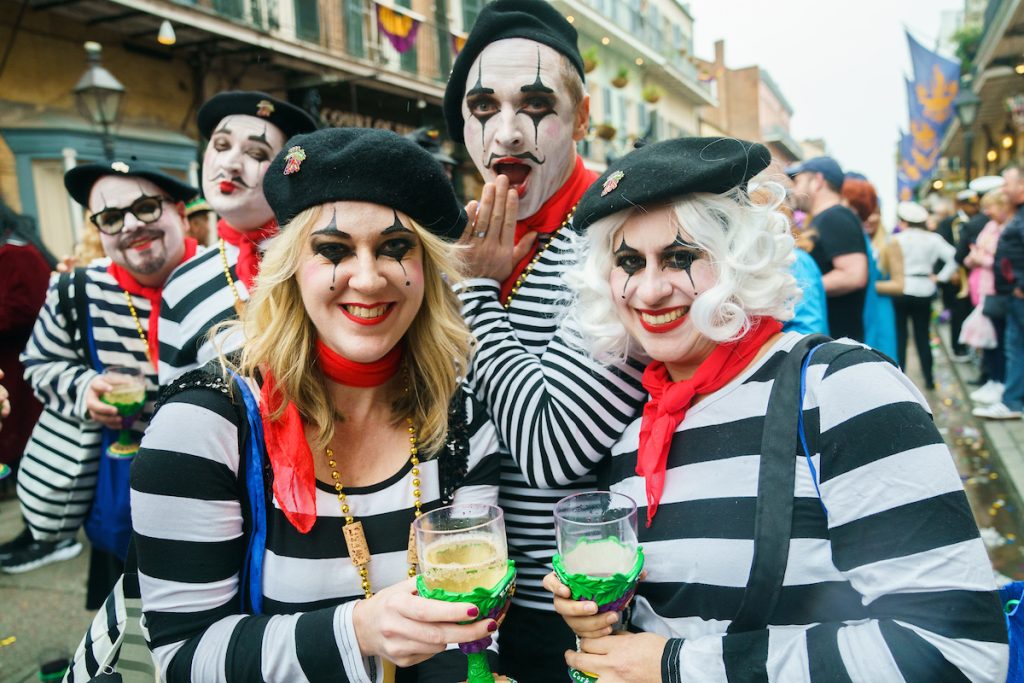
(986, 183)
(911, 212)
(966, 195)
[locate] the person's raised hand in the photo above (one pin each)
(404, 628)
(101, 412)
(488, 242)
(66, 263)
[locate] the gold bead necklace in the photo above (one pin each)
(239, 304)
(355, 539)
(138, 326)
(540, 252)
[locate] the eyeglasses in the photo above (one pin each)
(146, 209)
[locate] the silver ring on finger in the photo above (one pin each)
(480, 234)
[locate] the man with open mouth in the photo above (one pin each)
(102, 315)
(245, 131)
(517, 101)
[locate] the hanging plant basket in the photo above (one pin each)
(589, 60)
(651, 94)
(605, 131)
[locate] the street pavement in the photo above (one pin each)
(43, 609)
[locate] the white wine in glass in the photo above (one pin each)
(462, 547)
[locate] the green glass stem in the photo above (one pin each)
(124, 437)
(479, 668)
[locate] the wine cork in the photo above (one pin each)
(355, 543)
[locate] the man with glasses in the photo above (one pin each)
(245, 131)
(140, 214)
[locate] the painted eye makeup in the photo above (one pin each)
(396, 248)
(332, 251)
(680, 259)
(630, 263)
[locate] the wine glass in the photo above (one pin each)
(598, 557)
(463, 557)
(128, 395)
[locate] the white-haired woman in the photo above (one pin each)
(290, 562)
(858, 561)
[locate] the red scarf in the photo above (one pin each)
(248, 244)
(549, 217)
(670, 400)
(287, 448)
(128, 283)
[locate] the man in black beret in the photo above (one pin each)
(517, 101)
(430, 140)
(245, 131)
(139, 212)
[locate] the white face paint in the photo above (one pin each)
(240, 150)
(519, 119)
(150, 251)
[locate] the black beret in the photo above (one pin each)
(363, 165)
(535, 20)
(289, 118)
(80, 179)
(660, 172)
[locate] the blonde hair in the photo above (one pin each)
(280, 338)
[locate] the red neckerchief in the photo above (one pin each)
(350, 373)
(287, 448)
(549, 217)
(248, 243)
(128, 283)
(670, 400)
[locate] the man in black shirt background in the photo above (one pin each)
(840, 249)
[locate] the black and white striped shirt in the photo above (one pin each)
(188, 519)
(195, 298)
(58, 478)
(557, 410)
(894, 585)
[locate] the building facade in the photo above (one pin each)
(381, 63)
(641, 80)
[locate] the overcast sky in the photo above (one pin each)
(840, 65)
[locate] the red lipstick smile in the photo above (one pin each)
(663, 319)
(227, 187)
(367, 314)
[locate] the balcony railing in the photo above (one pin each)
(428, 56)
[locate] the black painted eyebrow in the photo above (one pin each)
(534, 87)
(223, 129)
(396, 226)
(680, 242)
(623, 247)
(261, 138)
(330, 231)
(472, 92)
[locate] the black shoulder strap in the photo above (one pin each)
(773, 522)
(82, 311)
(453, 460)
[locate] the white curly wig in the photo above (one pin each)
(748, 244)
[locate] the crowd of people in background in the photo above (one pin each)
(307, 336)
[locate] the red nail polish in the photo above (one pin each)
(492, 627)
(474, 611)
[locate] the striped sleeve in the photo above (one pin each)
(902, 534)
(187, 517)
(195, 298)
(57, 374)
(559, 412)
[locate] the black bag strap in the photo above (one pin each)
(75, 313)
(773, 521)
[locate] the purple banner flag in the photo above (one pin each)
(400, 29)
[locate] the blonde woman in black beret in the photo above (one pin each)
(347, 387)
(801, 517)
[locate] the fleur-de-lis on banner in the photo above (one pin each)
(937, 101)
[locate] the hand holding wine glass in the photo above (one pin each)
(463, 557)
(127, 394)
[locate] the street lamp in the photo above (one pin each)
(98, 95)
(967, 105)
